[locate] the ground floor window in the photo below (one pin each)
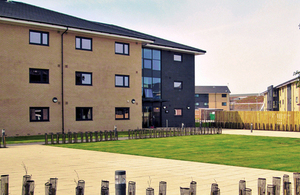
(178, 111)
(84, 113)
(39, 114)
(122, 114)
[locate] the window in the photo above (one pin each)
(196, 95)
(148, 93)
(83, 43)
(39, 114)
(84, 113)
(177, 85)
(122, 113)
(122, 48)
(224, 103)
(38, 38)
(178, 112)
(38, 75)
(83, 78)
(177, 57)
(224, 95)
(121, 80)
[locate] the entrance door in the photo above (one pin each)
(151, 117)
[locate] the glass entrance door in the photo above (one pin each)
(151, 117)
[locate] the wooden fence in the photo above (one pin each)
(261, 120)
(263, 188)
(96, 136)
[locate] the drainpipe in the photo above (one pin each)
(62, 83)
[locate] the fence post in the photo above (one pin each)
(3, 138)
(131, 188)
(4, 184)
(52, 138)
(81, 137)
(69, 137)
(46, 139)
(86, 137)
(193, 188)
(261, 185)
(25, 179)
(101, 136)
(75, 137)
(276, 184)
(110, 135)
(91, 136)
(242, 187)
(104, 187)
(162, 188)
(57, 138)
(296, 177)
(96, 136)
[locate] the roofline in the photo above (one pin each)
(175, 49)
(59, 27)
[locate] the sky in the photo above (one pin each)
(250, 45)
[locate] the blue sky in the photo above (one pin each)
(250, 44)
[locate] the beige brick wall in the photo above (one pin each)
(17, 94)
(216, 99)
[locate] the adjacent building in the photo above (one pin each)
(283, 97)
(60, 73)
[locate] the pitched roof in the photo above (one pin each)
(211, 89)
(25, 12)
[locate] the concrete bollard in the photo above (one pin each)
(248, 191)
(149, 191)
(25, 179)
(276, 184)
(287, 188)
(4, 185)
(80, 187)
(261, 185)
(184, 191)
(193, 188)
(242, 187)
(104, 187)
(131, 188)
(162, 188)
(29, 187)
(270, 189)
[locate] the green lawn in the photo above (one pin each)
(274, 153)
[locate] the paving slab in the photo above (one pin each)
(70, 165)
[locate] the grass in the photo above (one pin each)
(25, 139)
(275, 153)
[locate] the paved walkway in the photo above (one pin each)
(44, 162)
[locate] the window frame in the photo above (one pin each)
(176, 57)
(81, 109)
(123, 48)
(79, 72)
(181, 85)
(124, 76)
(175, 112)
(47, 109)
(41, 38)
(41, 76)
(123, 113)
(224, 95)
(80, 46)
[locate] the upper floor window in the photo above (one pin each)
(83, 43)
(177, 57)
(122, 48)
(38, 37)
(122, 113)
(177, 84)
(38, 75)
(83, 78)
(224, 95)
(84, 113)
(39, 114)
(121, 80)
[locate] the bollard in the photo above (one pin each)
(276, 184)
(131, 188)
(287, 188)
(80, 187)
(29, 187)
(120, 182)
(53, 182)
(270, 189)
(214, 187)
(25, 179)
(48, 188)
(162, 188)
(242, 187)
(296, 187)
(4, 185)
(193, 188)
(261, 184)
(149, 191)
(104, 187)
(285, 179)
(184, 191)
(248, 191)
